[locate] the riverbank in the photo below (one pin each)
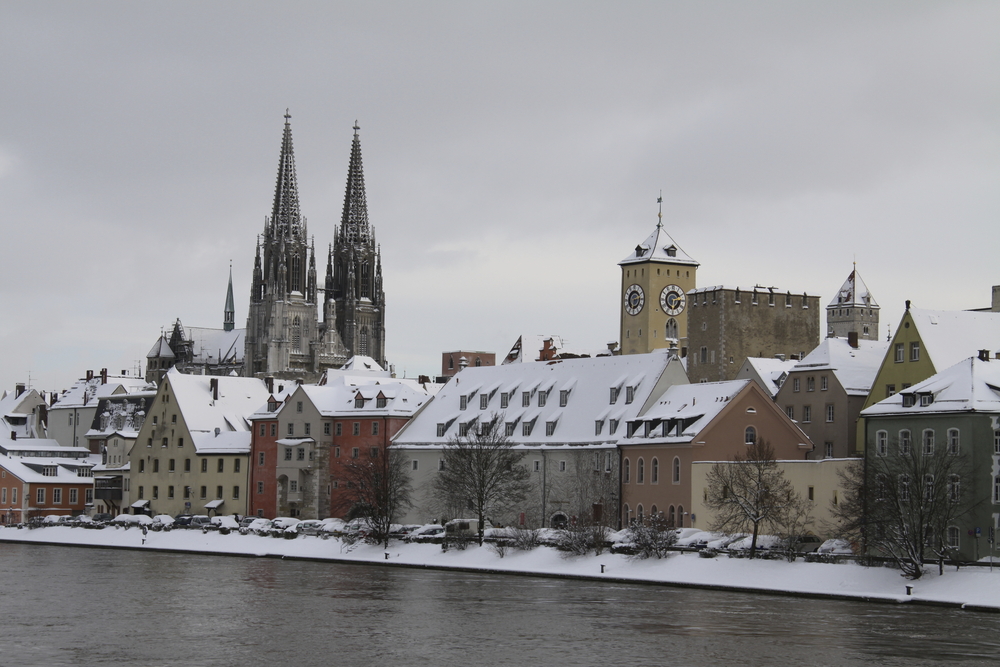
(969, 588)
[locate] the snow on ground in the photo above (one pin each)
(975, 586)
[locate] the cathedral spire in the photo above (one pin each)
(354, 223)
(229, 317)
(285, 216)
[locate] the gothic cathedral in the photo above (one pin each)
(656, 278)
(284, 336)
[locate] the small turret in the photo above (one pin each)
(229, 316)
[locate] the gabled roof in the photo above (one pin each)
(770, 370)
(337, 398)
(238, 399)
(685, 410)
(87, 392)
(658, 247)
(213, 346)
(971, 385)
(853, 292)
(160, 350)
(854, 368)
(952, 335)
(29, 471)
(588, 381)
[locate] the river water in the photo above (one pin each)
(77, 606)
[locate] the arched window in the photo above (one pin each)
(953, 441)
(953, 537)
(928, 442)
(905, 442)
(881, 443)
(671, 329)
(296, 335)
(655, 472)
(954, 488)
(670, 516)
(627, 472)
(296, 282)
(365, 281)
(363, 342)
(904, 488)
(680, 516)
(640, 471)
(625, 515)
(750, 435)
(638, 513)
(653, 511)
(677, 470)
(928, 487)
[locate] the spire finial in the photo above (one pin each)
(356, 127)
(288, 116)
(659, 216)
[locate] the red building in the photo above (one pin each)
(35, 487)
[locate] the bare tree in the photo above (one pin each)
(903, 500)
(482, 472)
(380, 491)
(749, 493)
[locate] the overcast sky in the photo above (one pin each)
(513, 155)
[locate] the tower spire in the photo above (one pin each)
(285, 216)
(229, 317)
(659, 216)
(354, 223)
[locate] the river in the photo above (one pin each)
(81, 606)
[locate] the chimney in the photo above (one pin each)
(13, 435)
(217, 431)
(269, 381)
(90, 375)
(852, 339)
(984, 355)
(18, 389)
(124, 372)
(214, 384)
(104, 376)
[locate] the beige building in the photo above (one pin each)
(192, 453)
(656, 278)
(729, 324)
(815, 481)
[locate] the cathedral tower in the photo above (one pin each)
(354, 295)
(656, 278)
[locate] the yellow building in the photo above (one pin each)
(656, 278)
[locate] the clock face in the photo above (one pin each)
(672, 300)
(634, 299)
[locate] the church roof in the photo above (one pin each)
(658, 247)
(161, 349)
(854, 292)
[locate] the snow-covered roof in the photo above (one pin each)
(84, 392)
(971, 385)
(684, 411)
(212, 346)
(160, 350)
(770, 370)
(238, 399)
(952, 335)
(854, 368)
(338, 397)
(658, 247)
(854, 292)
(539, 347)
(30, 470)
(587, 381)
(120, 415)
(362, 364)
(41, 447)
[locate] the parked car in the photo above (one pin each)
(283, 523)
(163, 520)
(835, 547)
(247, 520)
(425, 533)
(309, 527)
(806, 544)
(183, 520)
(101, 517)
(200, 521)
(225, 522)
(333, 526)
(258, 526)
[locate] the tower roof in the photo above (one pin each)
(354, 223)
(658, 247)
(230, 312)
(285, 216)
(853, 292)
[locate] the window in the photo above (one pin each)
(204, 492)
(828, 449)
(180, 442)
(526, 427)
(829, 413)
(562, 466)
(440, 430)
(356, 430)
(807, 414)
(614, 395)
(538, 465)
(336, 452)
(612, 426)
(640, 471)
(796, 385)
(629, 394)
(165, 442)
(440, 464)
(260, 487)
(221, 465)
(373, 452)
(824, 383)
(263, 430)
(904, 488)
(509, 429)
(326, 428)
(141, 492)
(953, 537)
(260, 459)
(415, 463)
(156, 492)
(626, 471)
(525, 399)
(218, 492)
(890, 389)
(790, 411)
(298, 406)
(954, 488)
(173, 419)
(156, 465)
(750, 435)
(810, 384)
(915, 351)
(504, 400)
(654, 471)
(928, 487)
(953, 441)
(704, 355)
(484, 401)
(274, 430)
(812, 493)
(288, 453)
(904, 442)
(142, 465)
(909, 400)
(339, 430)
(374, 428)
(236, 493)
(550, 428)
(542, 397)
(463, 430)
(926, 399)
(898, 353)
(57, 496)
(928, 440)
(996, 442)
(676, 473)
(170, 465)
(996, 490)
(74, 496)
(170, 492)
(291, 428)
(308, 428)
(881, 442)
(563, 397)
(300, 454)
(598, 425)
(355, 452)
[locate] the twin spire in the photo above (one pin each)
(285, 216)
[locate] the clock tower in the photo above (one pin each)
(656, 278)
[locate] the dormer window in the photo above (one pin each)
(671, 251)
(271, 406)
(639, 251)
(908, 400)
(926, 399)
(359, 401)
(380, 402)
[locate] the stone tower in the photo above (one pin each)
(284, 337)
(354, 296)
(656, 278)
(853, 309)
